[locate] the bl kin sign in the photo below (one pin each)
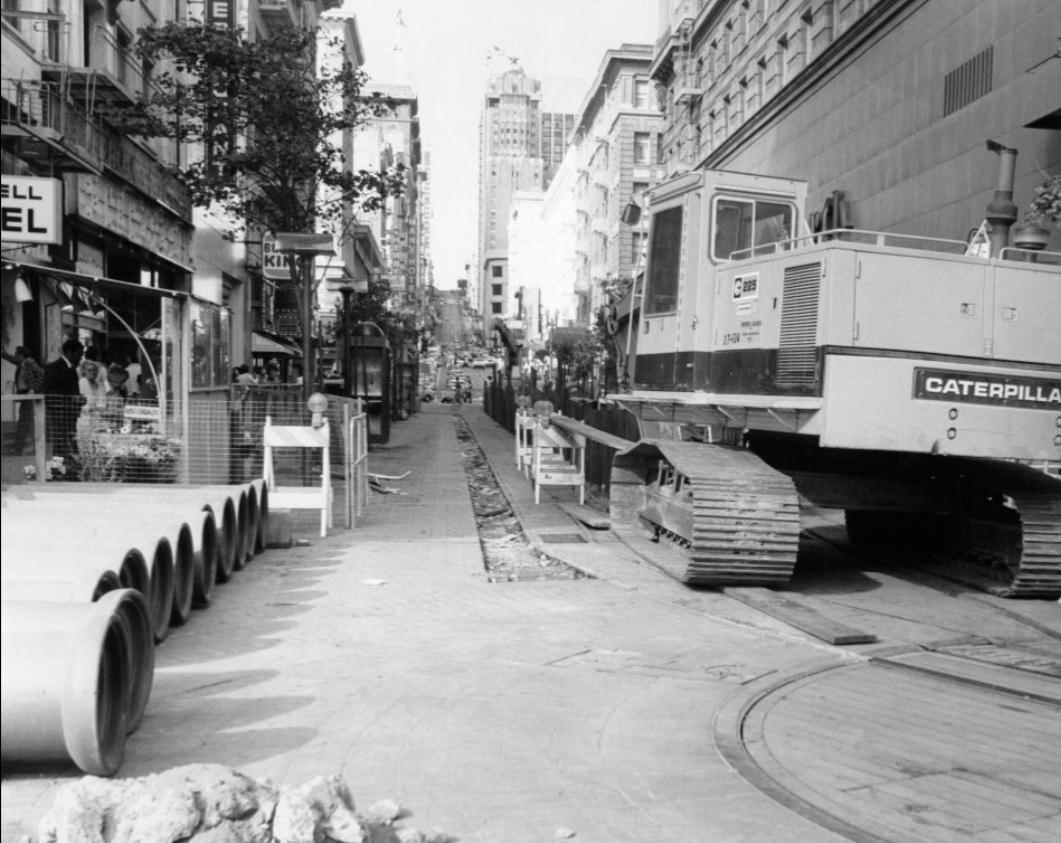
(31, 209)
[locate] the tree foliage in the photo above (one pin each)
(268, 123)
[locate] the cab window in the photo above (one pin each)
(661, 287)
(744, 223)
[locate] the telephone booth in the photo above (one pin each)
(368, 359)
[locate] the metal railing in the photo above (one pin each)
(1039, 256)
(39, 106)
(854, 236)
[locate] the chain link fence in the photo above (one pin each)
(215, 438)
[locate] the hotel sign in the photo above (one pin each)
(980, 388)
(276, 265)
(31, 209)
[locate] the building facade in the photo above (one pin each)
(883, 108)
(384, 141)
(616, 151)
(100, 205)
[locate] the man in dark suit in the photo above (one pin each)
(62, 399)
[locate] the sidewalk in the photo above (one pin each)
(497, 712)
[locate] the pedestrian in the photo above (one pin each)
(133, 370)
(62, 399)
(244, 376)
(115, 396)
(29, 379)
(93, 388)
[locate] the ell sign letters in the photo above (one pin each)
(30, 209)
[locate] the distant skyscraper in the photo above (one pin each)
(519, 148)
(556, 131)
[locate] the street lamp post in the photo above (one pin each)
(305, 247)
(347, 291)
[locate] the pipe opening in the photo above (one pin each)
(228, 536)
(243, 536)
(108, 582)
(206, 561)
(183, 576)
(162, 588)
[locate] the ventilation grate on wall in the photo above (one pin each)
(968, 81)
(797, 351)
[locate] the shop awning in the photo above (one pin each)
(263, 343)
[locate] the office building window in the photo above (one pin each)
(495, 307)
(495, 289)
(496, 271)
(641, 147)
(641, 93)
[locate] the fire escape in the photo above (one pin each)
(687, 93)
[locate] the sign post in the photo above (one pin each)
(305, 247)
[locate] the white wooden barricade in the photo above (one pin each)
(558, 458)
(356, 420)
(525, 424)
(299, 497)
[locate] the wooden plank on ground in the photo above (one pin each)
(588, 516)
(800, 616)
(610, 440)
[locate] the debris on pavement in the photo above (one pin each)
(217, 803)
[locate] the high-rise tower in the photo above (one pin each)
(515, 154)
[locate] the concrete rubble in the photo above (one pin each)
(211, 803)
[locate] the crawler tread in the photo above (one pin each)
(1039, 570)
(744, 515)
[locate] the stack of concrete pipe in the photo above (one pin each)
(94, 576)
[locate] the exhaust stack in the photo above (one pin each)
(1001, 212)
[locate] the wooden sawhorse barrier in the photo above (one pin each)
(299, 497)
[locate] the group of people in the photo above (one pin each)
(244, 375)
(82, 395)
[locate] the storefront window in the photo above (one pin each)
(210, 358)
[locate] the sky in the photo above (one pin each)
(446, 50)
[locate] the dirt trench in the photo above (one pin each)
(508, 555)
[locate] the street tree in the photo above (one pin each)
(267, 124)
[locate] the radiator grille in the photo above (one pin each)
(796, 354)
(968, 81)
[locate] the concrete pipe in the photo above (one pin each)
(252, 521)
(242, 529)
(170, 562)
(65, 674)
(83, 541)
(94, 518)
(204, 534)
(223, 502)
(262, 488)
(225, 518)
(129, 604)
(80, 586)
(160, 592)
(130, 607)
(66, 558)
(183, 547)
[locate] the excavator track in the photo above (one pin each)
(735, 519)
(1039, 571)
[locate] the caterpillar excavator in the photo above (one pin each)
(913, 382)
